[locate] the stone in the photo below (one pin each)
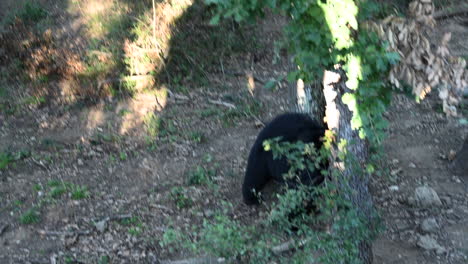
(428, 243)
(209, 213)
(101, 225)
(401, 225)
(426, 197)
(440, 250)
(411, 201)
(429, 225)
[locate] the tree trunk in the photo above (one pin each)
(338, 118)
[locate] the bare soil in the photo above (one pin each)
(131, 182)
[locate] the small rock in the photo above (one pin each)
(451, 155)
(101, 225)
(70, 241)
(80, 162)
(209, 213)
(428, 243)
(402, 225)
(429, 225)
(258, 124)
(440, 251)
(395, 171)
(456, 179)
(412, 165)
(426, 197)
(411, 201)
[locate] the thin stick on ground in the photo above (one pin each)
(203, 260)
(63, 233)
(218, 102)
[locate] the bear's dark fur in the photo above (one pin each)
(261, 166)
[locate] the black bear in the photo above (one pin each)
(261, 166)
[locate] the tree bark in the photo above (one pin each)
(338, 118)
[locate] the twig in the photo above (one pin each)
(154, 22)
(120, 217)
(53, 259)
(137, 19)
(289, 245)
(177, 96)
(240, 74)
(194, 63)
(218, 102)
(100, 53)
(222, 69)
(40, 164)
(205, 260)
(259, 122)
(116, 217)
(39, 261)
(158, 206)
(64, 233)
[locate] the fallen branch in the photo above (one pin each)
(40, 164)
(162, 207)
(218, 102)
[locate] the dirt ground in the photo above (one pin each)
(135, 191)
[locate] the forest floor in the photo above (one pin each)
(102, 181)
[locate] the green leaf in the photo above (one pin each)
(348, 98)
(392, 57)
(267, 145)
(215, 19)
(270, 84)
(292, 76)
